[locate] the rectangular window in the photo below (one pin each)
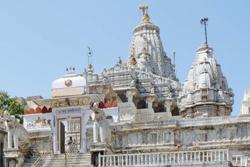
(248, 110)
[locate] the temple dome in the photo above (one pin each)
(68, 85)
(69, 81)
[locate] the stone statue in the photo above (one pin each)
(99, 123)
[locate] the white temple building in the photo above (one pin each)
(137, 113)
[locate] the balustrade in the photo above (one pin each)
(164, 158)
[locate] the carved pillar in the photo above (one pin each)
(130, 94)
(95, 131)
(54, 133)
(103, 130)
(9, 139)
(15, 138)
(167, 105)
(83, 137)
(56, 137)
(150, 99)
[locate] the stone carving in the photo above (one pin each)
(99, 124)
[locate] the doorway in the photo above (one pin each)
(62, 137)
(1, 154)
(70, 135)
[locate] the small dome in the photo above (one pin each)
(69, 81)
(70, 84)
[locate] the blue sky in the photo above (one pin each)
(39, 39)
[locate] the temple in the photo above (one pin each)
(135, 113)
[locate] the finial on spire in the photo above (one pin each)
(204, 21)
(119, 60)
(144, 9)
(174, 65)
(90, 55)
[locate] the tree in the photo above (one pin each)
(10, 105)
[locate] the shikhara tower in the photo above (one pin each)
(147, 50)
(206, 91)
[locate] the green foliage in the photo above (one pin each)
(10, 105)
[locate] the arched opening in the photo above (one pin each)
(158, 107)
(122, 96)
(140, 103)
(175, 111)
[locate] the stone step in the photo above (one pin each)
(71, 160)
(63, 165)
(28, 162)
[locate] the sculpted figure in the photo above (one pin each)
(99, 123)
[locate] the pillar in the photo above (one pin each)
(9, 139)
(83, 147)
(130, 94)
(15, 138)
(99, 160)
(55, 133)
(150, 99)
(95, 131)
(103, 130)
(167, 105)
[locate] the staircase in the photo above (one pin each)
(28, 162)
(68, 160)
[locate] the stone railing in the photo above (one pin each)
(220, 120)
(240, 160)
(220, 142)
(144, 115)
(164, 158)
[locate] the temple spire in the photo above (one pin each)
(204, 21)
(144, 9)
